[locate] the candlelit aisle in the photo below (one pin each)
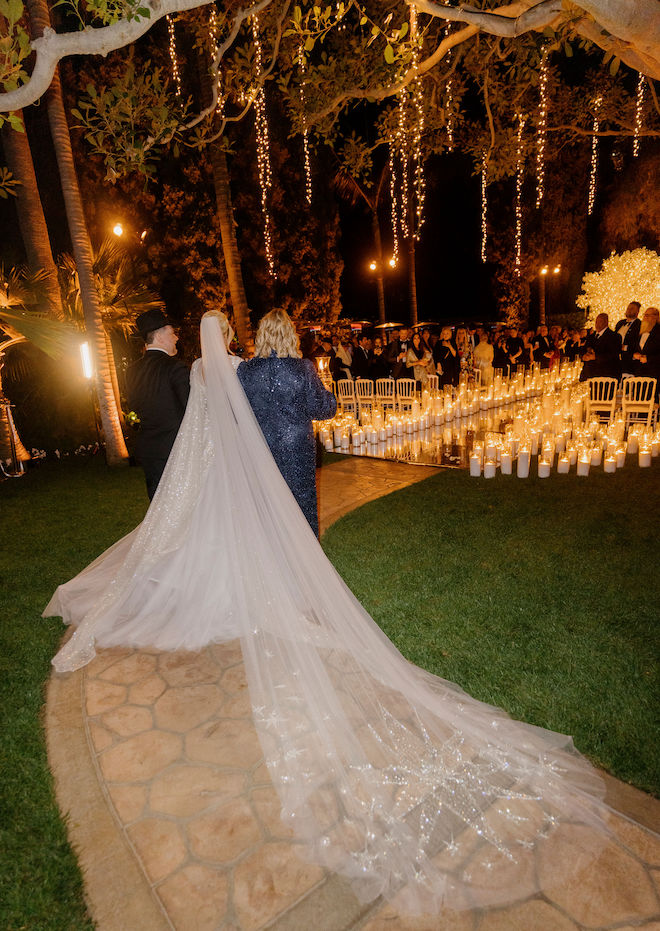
(536, 596)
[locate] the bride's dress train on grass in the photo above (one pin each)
(388, 775)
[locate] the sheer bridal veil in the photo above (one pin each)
(391, 776)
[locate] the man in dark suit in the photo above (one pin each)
(646, 357)
(361, 366)
(158, 387)
(628, 330)
(602, 353)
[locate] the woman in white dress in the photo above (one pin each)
(483, 358)
(391, 776)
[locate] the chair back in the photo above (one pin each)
(405, 392)
(602, 389)
(346, 394)
(433, 383)
(639, 400)
(365, 389)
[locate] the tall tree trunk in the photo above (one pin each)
(11, 446)
(31, 218)
(230, 244)
(380, 283)
(412, 280)
(115, 446)
(113, 371)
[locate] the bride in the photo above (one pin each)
(389, 775)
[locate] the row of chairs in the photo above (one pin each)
(365, 394)
(637, 399)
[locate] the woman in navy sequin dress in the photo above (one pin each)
(286, 394)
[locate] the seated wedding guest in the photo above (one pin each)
(360, 364)
(646, 357)
(445, 356)
(602, 352)
(158, 386)
(628, 329)
(542, 347)
(379, 367)
(418, 359)
(483, 358)
(286, 394)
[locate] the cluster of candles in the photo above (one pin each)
(506, 425)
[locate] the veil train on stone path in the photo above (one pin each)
(388, 775)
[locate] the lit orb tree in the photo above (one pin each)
(631, 276)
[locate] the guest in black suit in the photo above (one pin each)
(158, 386)
(542, 347)
(628, 330)
(361, 364)
(286, 394)
(602, 353)
(646, 357)
(396, 353)
(379, 366)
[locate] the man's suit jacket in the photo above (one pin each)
(629, 343)
(651, 349)
(360, 366)
(158, 388)
(607, 363)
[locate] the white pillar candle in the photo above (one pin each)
(644, 457)
(372, 435)
(633, 443)
(583, 464)
(329, 445)
(522, 468)
(560, 443)
(399, 428)
(620, 457)
(610, 464)
(490, 451)
(382, 434)
(563, 465)
(475, 465)
(535, 444)
(344, 441)
(506, 463)
(543, 468)
(655, 448)
(337, 436)
(490, 468)
(390, 429)
(596, 455)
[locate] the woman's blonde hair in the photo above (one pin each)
(277, 334)
(225, 325)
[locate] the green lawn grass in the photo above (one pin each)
(540, 597)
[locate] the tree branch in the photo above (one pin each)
(508, 21)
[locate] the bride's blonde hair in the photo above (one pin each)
(225, 325)
(277, 334)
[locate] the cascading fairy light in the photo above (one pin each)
(484, 205)
(394, 206)
(213, 33)
(401, 137)
(306, 159)
(450, 96)
(594, 157)
(263, 148)
(418, 130)
(172, 46)
(520, 164)
(641, 85)
(541, 128)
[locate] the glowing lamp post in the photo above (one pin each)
(378, 266)
(544, 271)
(88, 374)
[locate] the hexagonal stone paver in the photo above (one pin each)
(182, 709)
(532, 916)
(389, 919)
(148, 690)
(103, 696)
(196, 898)
(187, 789)
(187, 668)
(226, 654)
(224, 834)
(268, 882)
(637, 839)
(612, 889)
(101, 738)
(234, 680)
(268, 807)
(160, 845)
(140, 757)
(128, 720)
(129, 670)
(105, 657)
(129, 801)
(230, 742)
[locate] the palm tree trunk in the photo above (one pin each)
(115, 446)
(11, 446)
(113, 371)
(31, 218)
(380, 283)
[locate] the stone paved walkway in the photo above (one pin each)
(176, 825)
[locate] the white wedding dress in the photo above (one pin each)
(389, 775)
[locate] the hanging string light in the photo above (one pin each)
(394, 206)
(520, 164)
(450, 97)
(306, 159)
(172, 45)
(641, 86)
(418, 126)
(402, 145)
(213, 33)
(594, 157)
(541, 128)
(484, 204)
(263, 148)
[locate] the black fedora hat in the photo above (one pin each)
(151, 320)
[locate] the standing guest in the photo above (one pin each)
(418, 359)
(514, 348)
(602, 353)
(361, 362)
(445, 356)
(426, 339)
(379, 366)
(528, 347)
(343, 359)
(396, 354)
(465, 352)
(158, 386)
(286, 394)
(483, 358)
(628, 329)
(500, 353)
(572, 346)
(542, 347)
(646, 357)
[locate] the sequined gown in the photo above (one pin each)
(286, 395)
